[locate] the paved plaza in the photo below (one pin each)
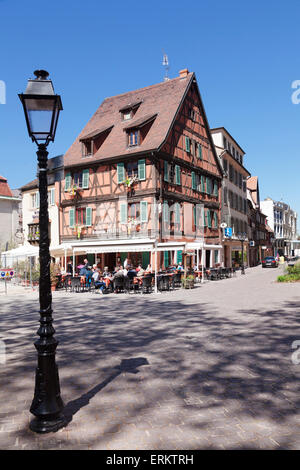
(208, 368)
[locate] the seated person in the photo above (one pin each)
(180, 267)
(97, 282)
(148, 269)
(140, 271)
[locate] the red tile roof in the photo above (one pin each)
(4, 188)
(162, 99)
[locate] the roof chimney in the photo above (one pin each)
(183, 73)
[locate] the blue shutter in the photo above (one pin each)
(71, 218)
(123, 212)
(37, 200)
(68, 181)
(166, 171)
(166, 212)
(208, 219)
(200, 151)
(144, 211)
(193, 180)
(177, 174)
(177, 213)
(216, 219)
(85, 178)
(202, 184)
(142, 169)
(179, 256)
(216, 192)
(187, 144)
(88, 217)
(166, 259)
(120, 173)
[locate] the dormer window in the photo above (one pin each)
(127, 115)
(138, 129)
(87, 148)
(133, 138)
(128, 111)
(92, 142)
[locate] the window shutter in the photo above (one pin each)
(85, 178)
(200, 151)
(216, 219)
(52, 198)
(177, 174)
(67, 181)
(177, 213)
(179, 256)
(193, 180)
(194, 214)
(202, 184)
(144, 211)
(204, 218)
(166, 171)
(208, 185)
(166, 259)
(37, 200)
(88, 217)
(71, 218)
(215, 188)
(120, 173)
(187, 144)
(142, 169)
(166, 212)
(208, 219)
(123, 212)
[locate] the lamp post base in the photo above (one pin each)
(47, 425)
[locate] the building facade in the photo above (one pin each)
(283, 221)
(10, 228)
(143, 181)
(234, 196)
(261, 236)
(31, 204)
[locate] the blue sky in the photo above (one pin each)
(245, 56)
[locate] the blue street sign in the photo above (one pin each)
(228, 232)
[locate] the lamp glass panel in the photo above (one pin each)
(40, 112)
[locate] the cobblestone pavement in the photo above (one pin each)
(208, 368)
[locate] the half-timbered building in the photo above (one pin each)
(143, 177)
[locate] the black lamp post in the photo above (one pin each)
(41, 108)
(242, 237)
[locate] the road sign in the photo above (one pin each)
(228, 232)
(7, 273)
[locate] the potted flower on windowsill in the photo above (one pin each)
(79, 230)
(130, 181)
(74, 191)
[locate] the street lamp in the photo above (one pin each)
(242, 237)
(41, 108)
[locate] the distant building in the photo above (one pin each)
(31, 204)
(234, 195)
(9, 215)
(261, 235)
(283, 221)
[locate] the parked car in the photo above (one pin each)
(269, 262)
